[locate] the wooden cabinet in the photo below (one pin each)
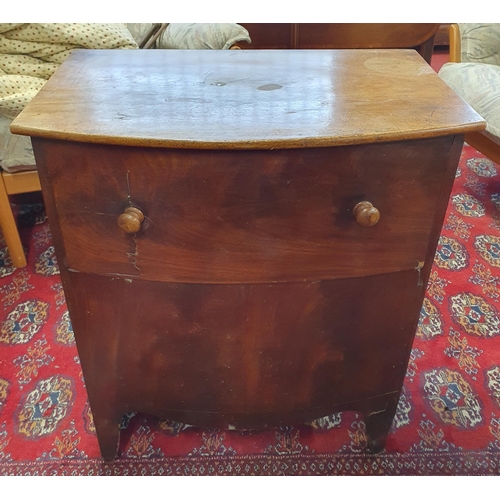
(245, 237)
(419, 36)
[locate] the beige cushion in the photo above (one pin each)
(480, 42)
(139, 30)
(479, 85)
(217, 36)
(16, 153)
(29, 54)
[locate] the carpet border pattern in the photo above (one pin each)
(398, 464)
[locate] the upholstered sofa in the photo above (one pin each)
(31, 52)
(474, 74)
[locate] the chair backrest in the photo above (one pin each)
(419, 36)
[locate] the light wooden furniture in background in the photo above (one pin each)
(485, 142)
(11, 184)
(455, 45)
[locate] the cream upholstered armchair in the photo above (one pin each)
(31, 52)
(474, 74)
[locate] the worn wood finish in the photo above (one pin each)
(250, 295)
(221, 346)
(249, 356)
(258, 99)
(419, 36)
(270, 216)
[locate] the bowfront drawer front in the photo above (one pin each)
(244, 216)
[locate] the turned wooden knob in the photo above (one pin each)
(366, 214)
(130, 220)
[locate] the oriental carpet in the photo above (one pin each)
(448, 419)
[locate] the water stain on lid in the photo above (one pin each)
(270, 86)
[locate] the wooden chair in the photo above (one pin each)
(418, 36)
(484, 142)
(11, 184)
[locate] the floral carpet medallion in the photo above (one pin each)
(447, 421)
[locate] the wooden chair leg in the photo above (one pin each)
(9, 229)
(485, 145)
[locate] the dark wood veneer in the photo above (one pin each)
(419, 36)
(214, 355)
(270, 216)
(222, 276)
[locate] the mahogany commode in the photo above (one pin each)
(245, 237)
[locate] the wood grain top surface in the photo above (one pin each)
(245, 99)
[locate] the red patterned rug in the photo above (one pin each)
(447, 423)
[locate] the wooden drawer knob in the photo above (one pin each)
(366, 214)
(130, 220)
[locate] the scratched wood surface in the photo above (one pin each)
(257, 98)
(250, 295)
(248, 355)
(257, 217)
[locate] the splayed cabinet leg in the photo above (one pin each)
(378, 415)
(107, 425)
